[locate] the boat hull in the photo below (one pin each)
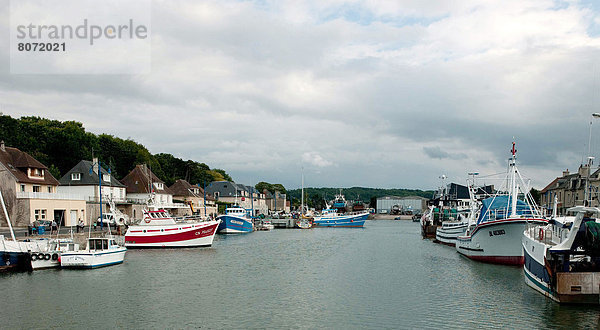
(14, 261)
(92, 259)
(45, 260)
(538, 277)
(234, 225)
(171, 236)
(350, 221)
(496, 242)
(448, 234)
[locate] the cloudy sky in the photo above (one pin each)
(359, 93)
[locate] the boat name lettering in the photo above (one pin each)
(497, 232)
(237, 222)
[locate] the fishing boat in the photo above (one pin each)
(236, 220)
(264, 225)
(331, 218)
(339, 203)
(158, 229)
(16, 255)
(430, 221)
(50, 257)
(562, 258)
(100, 252)
(450, 230)
(457, 222)
(304, 223)
(494, 236)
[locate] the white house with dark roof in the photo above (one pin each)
(83, 180)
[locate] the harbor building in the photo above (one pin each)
(193, 196)
(31, 192)
(569, 190)
(277, 201)
(386, 204)
(457, 195)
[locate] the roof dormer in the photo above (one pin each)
(35, 173)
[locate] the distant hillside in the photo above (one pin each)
(316, 196)
(61, 145)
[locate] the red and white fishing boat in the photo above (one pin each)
(158, 229)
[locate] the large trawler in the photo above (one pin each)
(236, 220)
(495, 235)
(158, 229)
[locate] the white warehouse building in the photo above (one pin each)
(414, 203)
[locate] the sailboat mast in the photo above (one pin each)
(302, 203)
(513, 182)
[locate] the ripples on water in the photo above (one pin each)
(382, 276)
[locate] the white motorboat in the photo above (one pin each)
(100, 252)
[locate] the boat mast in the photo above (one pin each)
(302, 199)
(513, 175)
(12, 233)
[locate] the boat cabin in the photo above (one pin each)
(103, 243)
(157, 218)
(236, 210)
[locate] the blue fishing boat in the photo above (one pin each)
(235, 221)
(331, 218)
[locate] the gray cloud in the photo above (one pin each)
(397, 97)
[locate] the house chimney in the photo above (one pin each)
(95, 161)
(2, 145)
(565, 173)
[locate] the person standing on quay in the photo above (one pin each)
(54, 227)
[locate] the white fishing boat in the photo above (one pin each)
(50, 257)
(495, 235)
(158, 229)
(99, 252)
(562, 258)
(450, 230)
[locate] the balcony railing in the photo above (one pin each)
(45, 195)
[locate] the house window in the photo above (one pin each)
(36, 188)
(50, 189)
(159, 185)
(23, 187)
(40, 214)
(106, 177)
(75, 176)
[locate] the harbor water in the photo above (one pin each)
(380, 276)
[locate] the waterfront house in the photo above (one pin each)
(83, 180)
(187, 193)
(569, 190)
(245, 196)
(276, 202)
(31, 192)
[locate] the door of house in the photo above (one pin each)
(73, 217)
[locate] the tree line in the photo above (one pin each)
(61, 145)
